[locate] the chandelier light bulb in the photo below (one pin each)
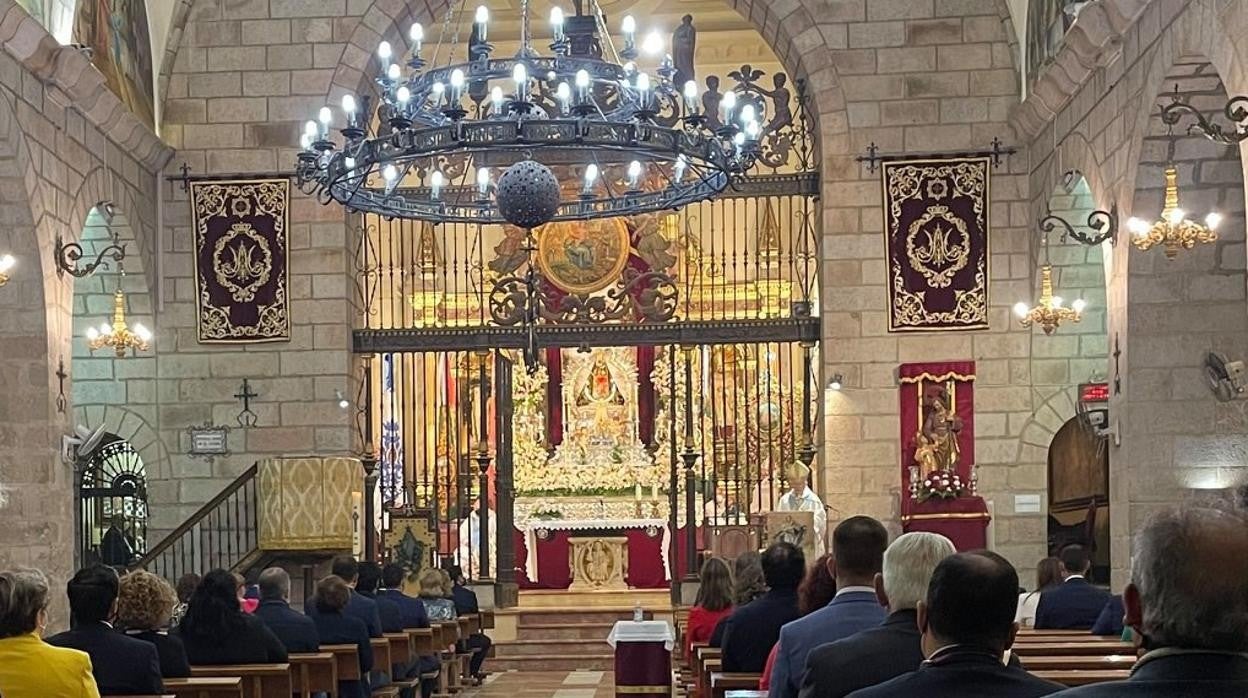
(417, 35)
(457, 85)
(739, 141)
(1079, 305)
(393, 72)
(629, 27)
(93, 334)
(727, 104)
(1176, 216)
(634, 175)
(752, 130)
(349, 163)
(496, 98)
(384, 53)
(747, 114)
(403, 95)
(653, 45)
(691, 97)
(483, 182)
(564, 93)
(106, 329)
(6, 263)
(556, 22)
(142, 332)
(1137, 226)
(1021, 309)
(482, 19)
(679, 168)
(309, 128)
(306, 141)
(591, 176)
(629, 68)
(1057, 301)
(348, 104)
(436, 181)
(520, 75)
(325, 116)
(390, 173)
(1213, 220)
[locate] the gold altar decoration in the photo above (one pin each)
(1173, 231)
(598, 564)
(306, 503)
(583, 257)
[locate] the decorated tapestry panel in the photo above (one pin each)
(936, 234)
(241, 275)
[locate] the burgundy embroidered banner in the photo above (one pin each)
(241, 276)
(936, 235)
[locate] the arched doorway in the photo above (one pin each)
(1079, 494)
(112, 501)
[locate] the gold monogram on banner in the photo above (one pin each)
(936, 233)
(241, 249)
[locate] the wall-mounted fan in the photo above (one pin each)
(81, 444)
(1226, 378)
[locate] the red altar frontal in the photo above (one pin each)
(544, 551)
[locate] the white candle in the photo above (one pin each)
(582, 86)
(417, 35)
(520, 75)
(691, 97)
(483, 182)
(348, 107)
(326, 116)
(643, 90)
(457, 86)
(726, 106)
(591, 176)
(629, 27)
(564, 93)
(496, 98)
(556, 22)
(483, 19)
(435, 184)
(383, 54)
(634, 175)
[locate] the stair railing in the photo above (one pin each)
(223, 533)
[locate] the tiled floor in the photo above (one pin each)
(546, 684)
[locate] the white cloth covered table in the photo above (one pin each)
(642, 631)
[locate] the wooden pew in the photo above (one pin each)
(259, 680)
(702, 652)
(1082, 677)
(314, 672)
(381, 655)
(487, 620)
(205, 687)
(721, 682)
(1032, 632)
(1065, 649)
(346, 660)
(1089, 662)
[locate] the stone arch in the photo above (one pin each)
(133, 427)
(100, 185)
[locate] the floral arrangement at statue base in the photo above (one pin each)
(939, 484)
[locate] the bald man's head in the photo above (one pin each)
(1189, 579)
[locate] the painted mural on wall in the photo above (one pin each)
(117, 32)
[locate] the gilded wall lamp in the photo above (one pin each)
(69, 254)
(1102, 226)
(6, 265)
(1236, 110)
(1173, 231)
(1048, 313)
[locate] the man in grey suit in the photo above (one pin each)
(1188, 606)
(875, 655)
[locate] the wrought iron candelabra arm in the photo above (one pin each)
(1103, 226)
(1236, 110)
(69, 254)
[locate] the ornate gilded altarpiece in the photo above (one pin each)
(241, 249)
(936, 234)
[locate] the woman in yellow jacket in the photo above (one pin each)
(30, 667)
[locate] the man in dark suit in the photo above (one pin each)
(466, 602)
(414, 615)
(752, 629)
(967, 621)
(296, 631)
(1187, 604)
(875, 655)
(366, 585)
(121, 665)
(1074, 604)
(358, 606)
(858, 545)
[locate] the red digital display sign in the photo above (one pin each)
(1094, 392)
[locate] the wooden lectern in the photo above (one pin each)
(796, 527)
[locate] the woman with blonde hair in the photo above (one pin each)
(30, 667)
(145, 604)
(433, 593)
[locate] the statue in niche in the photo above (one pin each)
(684, 45)
(936, 444)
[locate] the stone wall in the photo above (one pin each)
(1094, 111)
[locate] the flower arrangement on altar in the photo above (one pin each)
(942, 484)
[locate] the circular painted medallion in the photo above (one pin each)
(583, 256)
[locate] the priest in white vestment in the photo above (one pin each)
(799, 497)
(468, 556)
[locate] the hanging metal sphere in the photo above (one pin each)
(528, 194)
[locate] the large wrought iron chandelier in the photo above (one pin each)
(623, 142)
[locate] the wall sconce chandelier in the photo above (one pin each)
(1236, 110)
(6, 263)
(69, 254)
(1173, 231)
(1103, 225)
(1048, 313)
(118, 335)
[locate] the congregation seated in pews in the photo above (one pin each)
(124, 642)
(951, 628)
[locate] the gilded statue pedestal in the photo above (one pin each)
(598, 563)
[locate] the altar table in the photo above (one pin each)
(963, 520)
(643, 657)
(544, 547)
